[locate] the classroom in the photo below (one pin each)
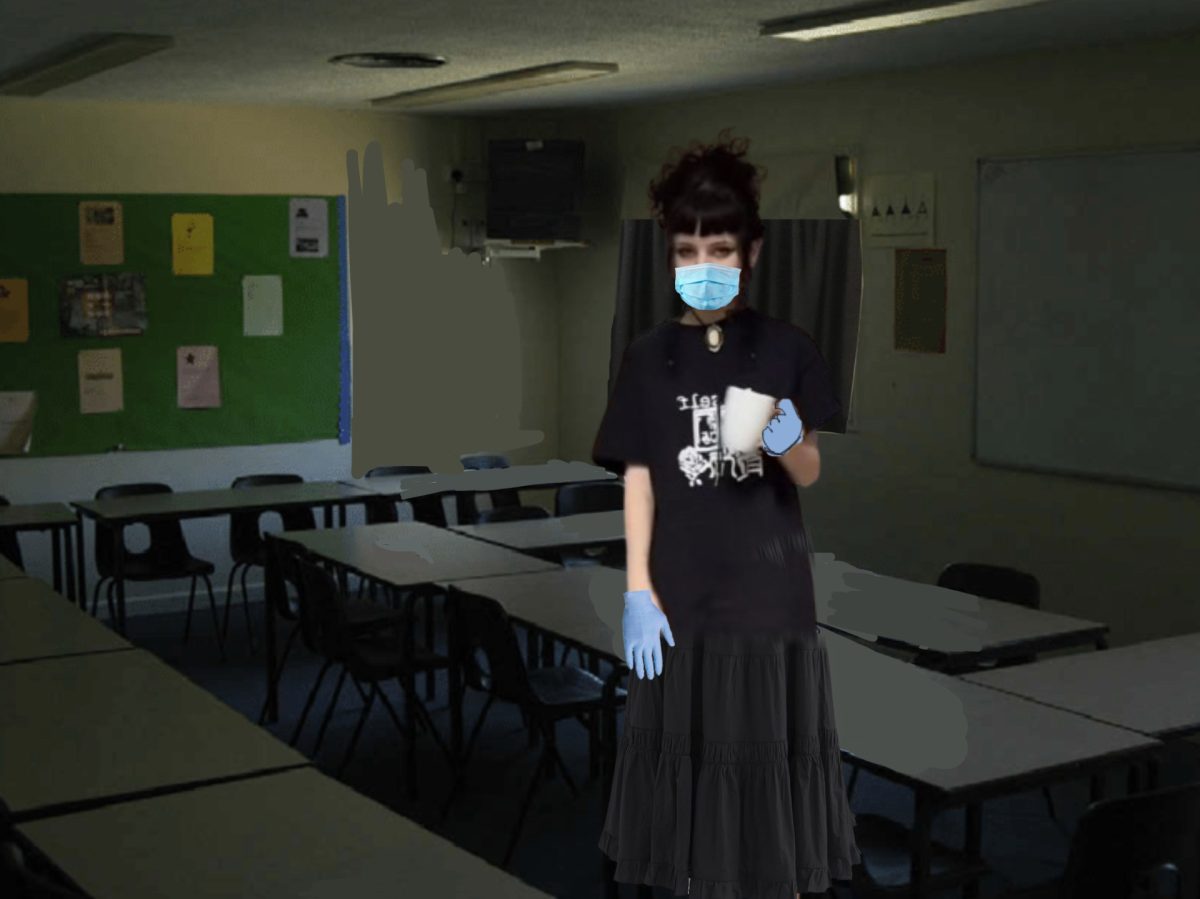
(318, 331)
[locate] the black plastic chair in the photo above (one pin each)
(577, 499)
(166, 559)
(367, 658)
(510, 513)
(10, 546)
(363, 616)
(468, 510)
(1128, 846)
(424, 508)
(246, 546)
(545, 695)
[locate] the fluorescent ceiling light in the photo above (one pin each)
(881, 15)
(78, 61)
(518, 79)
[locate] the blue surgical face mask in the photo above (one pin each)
(707, 286)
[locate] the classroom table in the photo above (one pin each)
(548, 537)
(119, 512)
(35, 623)
(1152, 687)
(89, 730)
(62, 523)
(292, 835)
(398, 555)
(555, 473)
(959, 743)
(946, 630)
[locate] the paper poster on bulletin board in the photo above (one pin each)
(192, 243)
(14, 310)
(101, 233)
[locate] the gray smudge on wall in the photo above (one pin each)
(436, 348)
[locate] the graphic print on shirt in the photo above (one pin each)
(706, 457)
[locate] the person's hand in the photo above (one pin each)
(641, 625)
(784, 431)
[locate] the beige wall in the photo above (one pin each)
(902, 496)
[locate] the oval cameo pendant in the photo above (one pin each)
(714, 337)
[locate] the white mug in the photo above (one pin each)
(743, 417)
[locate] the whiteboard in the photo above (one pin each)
(1088, 326)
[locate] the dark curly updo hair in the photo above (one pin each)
(714, 187)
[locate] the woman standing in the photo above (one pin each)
(728, 780)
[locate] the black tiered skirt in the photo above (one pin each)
(728, 780)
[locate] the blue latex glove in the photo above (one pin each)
(640, 628)
(784, 431)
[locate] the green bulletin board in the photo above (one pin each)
(273, 389)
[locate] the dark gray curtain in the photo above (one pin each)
(809, 273)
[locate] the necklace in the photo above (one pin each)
(714, 337)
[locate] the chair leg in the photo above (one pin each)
(212, 605)
(228, 595)
(187, 624)
(430, 674)
(1049, 803)
(329, 713)
(593, 726)
(362, 720)
(534, 780)
(406, 731)
(422, 714)
(461, 768)
(109, 594)
(552, 749)
(308, 704)
(246, 608)
(287, 647)
(96, 594)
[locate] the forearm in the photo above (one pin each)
(639, 524)
(802, 463)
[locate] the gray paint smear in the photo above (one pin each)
(437, 351)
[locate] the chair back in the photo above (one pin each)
(323, 622)
(602, 496)
(486, 627)
(1124, 846)
(468, 510)
(9, 545)
(245, 529)
(168, 549)
(479, 461)
(425, 508)
(992, 582)
(510, 513)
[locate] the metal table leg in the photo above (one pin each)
(56, 553)
(922, 851)
(118, 531)
(81, 588)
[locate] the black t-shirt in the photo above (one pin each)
(728, 549)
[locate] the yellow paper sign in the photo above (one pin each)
(101, 233)
(14, 310)
(192, 243)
